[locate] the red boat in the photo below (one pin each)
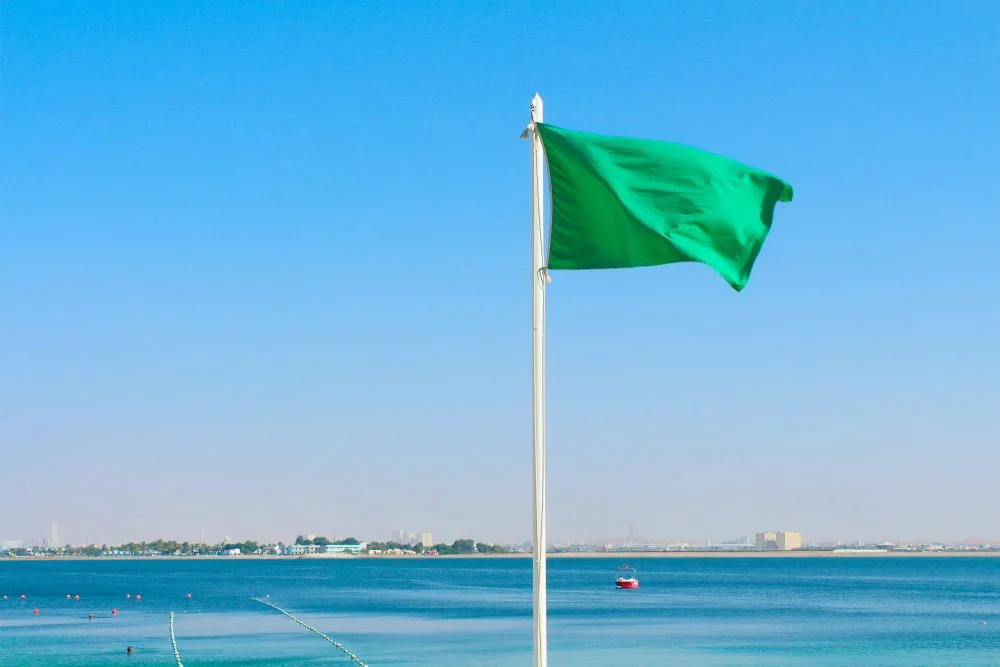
(626, 577)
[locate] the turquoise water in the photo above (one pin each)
(425, 611)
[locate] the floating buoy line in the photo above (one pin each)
(173, 642)
(313, 630)
(173, 636)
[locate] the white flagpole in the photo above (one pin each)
(538, 280)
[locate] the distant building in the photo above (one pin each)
(789, 541)
(343, 548)
(767, 541)
(779, 540)
(303, 549)
(410, 538)
(741, 542)
(55, 534)
(231, 552)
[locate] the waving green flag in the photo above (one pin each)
(619, 203)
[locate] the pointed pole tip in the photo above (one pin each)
(536, 108)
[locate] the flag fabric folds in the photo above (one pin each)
(620, 202)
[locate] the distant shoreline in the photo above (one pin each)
(621, 555)
(777, 554)
(734, 554)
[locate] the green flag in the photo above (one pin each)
(619, 203)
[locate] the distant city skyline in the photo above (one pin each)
(779, 540)
(264, 269)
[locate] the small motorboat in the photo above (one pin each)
(626, 577)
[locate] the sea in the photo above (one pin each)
(477, 611)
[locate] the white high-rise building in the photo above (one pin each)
(55, 535)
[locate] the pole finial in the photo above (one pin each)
(536, 115)
(536, 108)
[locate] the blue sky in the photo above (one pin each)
(264, 270)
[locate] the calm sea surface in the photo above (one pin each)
(690, 611)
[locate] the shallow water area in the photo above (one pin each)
(427, 611)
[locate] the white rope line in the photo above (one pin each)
(173, 641)
(313, 630)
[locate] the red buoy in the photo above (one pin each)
(76, 597)
(138, 597)
(114, 612)
(188, 596)
(22, 597)
(36, 612)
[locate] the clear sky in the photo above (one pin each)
(264, 269)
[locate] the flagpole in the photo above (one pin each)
(538, 280)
